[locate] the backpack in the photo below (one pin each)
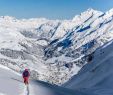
(25, 74)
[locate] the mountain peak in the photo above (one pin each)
(86, 14)
(91, 10)
(110, 12)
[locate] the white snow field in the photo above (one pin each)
(10, 82)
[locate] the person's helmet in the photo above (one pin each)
(26, 69)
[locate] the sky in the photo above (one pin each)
(51, 9)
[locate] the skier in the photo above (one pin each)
(26, 76)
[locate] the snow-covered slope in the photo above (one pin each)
(95, 78)
(11, 83)
(54, 50)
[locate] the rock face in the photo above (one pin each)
(53, 50)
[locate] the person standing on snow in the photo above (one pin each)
(26, 76)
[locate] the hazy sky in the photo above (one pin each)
(52, 9)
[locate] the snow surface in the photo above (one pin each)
(11, 83)
(95, 78)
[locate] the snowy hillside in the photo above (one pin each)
(96, 77)
(11, 83)
(54, 50)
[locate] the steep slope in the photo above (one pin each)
(96, 77)
(10, 82)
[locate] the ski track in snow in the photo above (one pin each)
(27, 88)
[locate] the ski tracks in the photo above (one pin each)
(27, 90)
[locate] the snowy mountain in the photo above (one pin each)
(53, 50)
(12, 83)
